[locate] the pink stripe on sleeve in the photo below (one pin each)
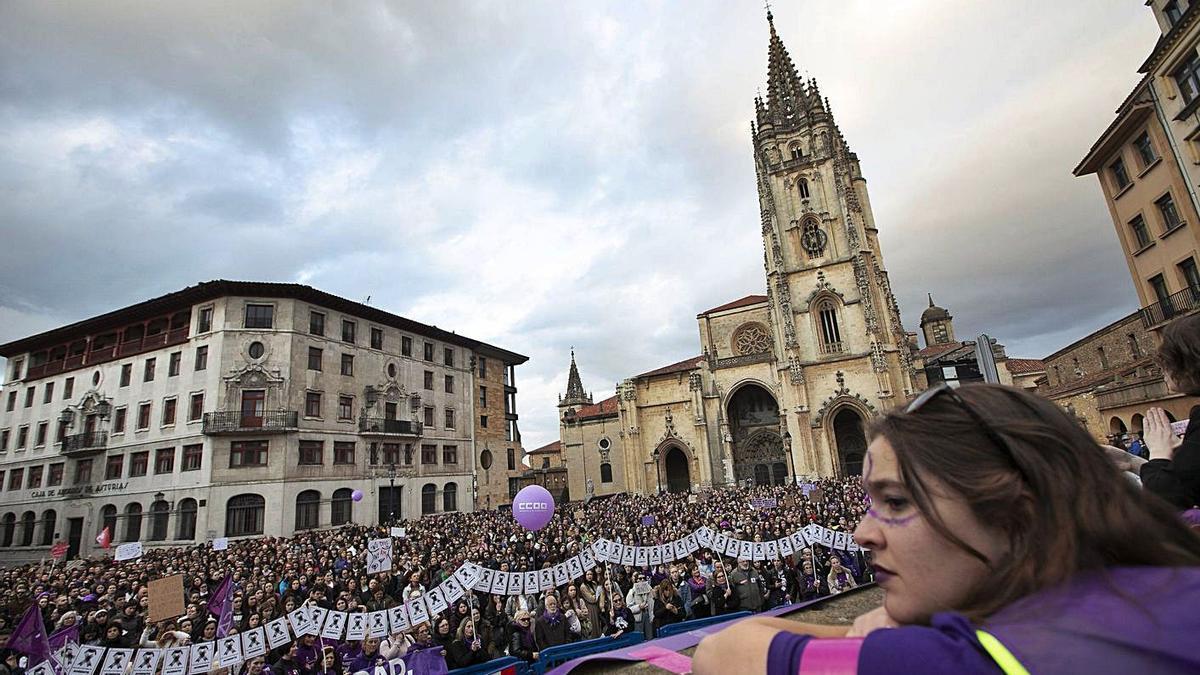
(831, 656)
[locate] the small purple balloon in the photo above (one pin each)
(533, 507)
(356, 495)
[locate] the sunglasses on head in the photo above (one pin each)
(988, 430)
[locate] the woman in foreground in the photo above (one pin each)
(1004, 541)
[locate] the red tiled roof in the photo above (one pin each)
(548, 449)
(748, 300)
(686, 364)
(606, 407)
(937, 350)
(1026, 366)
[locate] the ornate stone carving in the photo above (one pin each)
(823, 286)
(776, 252)
(751, 338)
(842, 393)
(694, 383)
(878, 361)
(795, 370)
(864, 291)
(784, 294)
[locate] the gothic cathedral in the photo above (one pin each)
(785, 381)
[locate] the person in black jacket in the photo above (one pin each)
(721, 597)
(1173, 471)
(521, 642)
(467, 649)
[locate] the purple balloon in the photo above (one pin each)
(356, 495)
(533, 507)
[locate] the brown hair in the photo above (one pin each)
(1074, 511)
(1179, 353)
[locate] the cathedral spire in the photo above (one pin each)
(785, 91)
(575, 393)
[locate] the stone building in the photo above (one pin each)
(1108, 379)
(784, 381)
(241, 409)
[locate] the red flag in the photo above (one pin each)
(59, 550)
(104, 538)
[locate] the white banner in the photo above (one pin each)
(130, 551)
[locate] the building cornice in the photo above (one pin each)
(211, 290)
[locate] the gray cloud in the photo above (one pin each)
(542, 175)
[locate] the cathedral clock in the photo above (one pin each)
(813, 239)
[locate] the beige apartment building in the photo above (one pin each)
(244, 409)
(1148, 164)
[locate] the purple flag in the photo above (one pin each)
(30, 637)
(427, 661)
(220, 605)
(61, 637)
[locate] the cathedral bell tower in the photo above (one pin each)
(841, 352)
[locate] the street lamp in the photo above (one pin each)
(392, 493)
(657, 474)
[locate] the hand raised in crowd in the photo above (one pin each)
(1159, 437)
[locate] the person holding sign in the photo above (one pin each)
(1005, 541)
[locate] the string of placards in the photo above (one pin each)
(227, 652)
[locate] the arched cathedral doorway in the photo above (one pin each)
(675, 466)
(758, 455)
(851, 441)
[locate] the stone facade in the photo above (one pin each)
(786, 380)
(497, 438)
(234, 408)
(1108, 379)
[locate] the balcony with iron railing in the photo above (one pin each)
(381, 426)
(237, 422)
(85, 443)
(1176, 304)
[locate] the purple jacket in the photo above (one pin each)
(1123, 620)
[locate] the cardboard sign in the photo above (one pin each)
(531, 583)
(175, 661)
(229, 651)
(166, 598)
(220, 544)
(87, 660)
(398, 619)
(130, 551)
(202, 657)
(43, 668)
(436, 600)
(147, 661)
(379, 555)
(499, 582)
(561, 578)
(335, 625)
(453, 589)
(398, 532)
(417, 612)
(356, 627)
(254, 643)
(115, 661)
(377, 624)
(772, 549)
(277, 633)
(587, 559)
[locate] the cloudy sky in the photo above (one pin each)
(543, 175)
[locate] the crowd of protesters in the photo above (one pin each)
(108, 601)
